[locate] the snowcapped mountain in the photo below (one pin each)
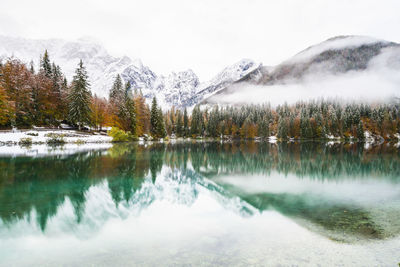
(173, 90)
(230, 75)
(101, 66)
(179, 89)
(337, 67)
(184, 89)
(336, 55)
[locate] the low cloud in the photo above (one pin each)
(378, 83)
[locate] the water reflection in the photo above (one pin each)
(325, 188)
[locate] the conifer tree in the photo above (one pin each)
(45, 64)
(185, 123)
(128, 111)
(80, 98)
(360, 131)
(282, 128)
(179, 125)
(172, 120)
(195, 123)
(154, 118)
(161, 132)
(117, 91)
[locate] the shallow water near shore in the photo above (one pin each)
(209, 203)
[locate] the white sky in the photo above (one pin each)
(204, 35)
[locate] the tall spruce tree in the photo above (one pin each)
(179, 125)
(45, 64)
(194, 124)
(79, 98)
(161, 132)
(117, 91)
(129, 111)
(185, 123)
(154, 118)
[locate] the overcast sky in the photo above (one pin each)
(204, 35)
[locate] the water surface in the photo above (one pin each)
(233, 204)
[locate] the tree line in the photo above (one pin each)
(317, 119)
(45, 98)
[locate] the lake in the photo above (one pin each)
(201, 203)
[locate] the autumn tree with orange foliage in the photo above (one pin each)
(99, 115)
(6, 106)
(142, 114)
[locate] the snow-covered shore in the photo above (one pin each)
(42, 136)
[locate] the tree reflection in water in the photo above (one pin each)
(42, 184)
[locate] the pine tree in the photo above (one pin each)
(195, 128)
(360, 131)
(57, 94)
(172, 120)
(117, 91)
(161, 132)
(80, 97)
(129, 115)
(185, 123)
(179, 125)
(154, 118)
(45, 64)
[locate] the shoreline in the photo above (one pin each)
(55, 137)
(66, 149)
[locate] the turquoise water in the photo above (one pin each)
(232, 204)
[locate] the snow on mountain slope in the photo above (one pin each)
(335, 43)
(183, 89)
(101, 66)
(226, 77)
(336, 55)
(179, 89)
(348, 67)
(173, 90)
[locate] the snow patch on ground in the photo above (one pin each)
(70, 136)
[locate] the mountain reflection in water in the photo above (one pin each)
(340, 191)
